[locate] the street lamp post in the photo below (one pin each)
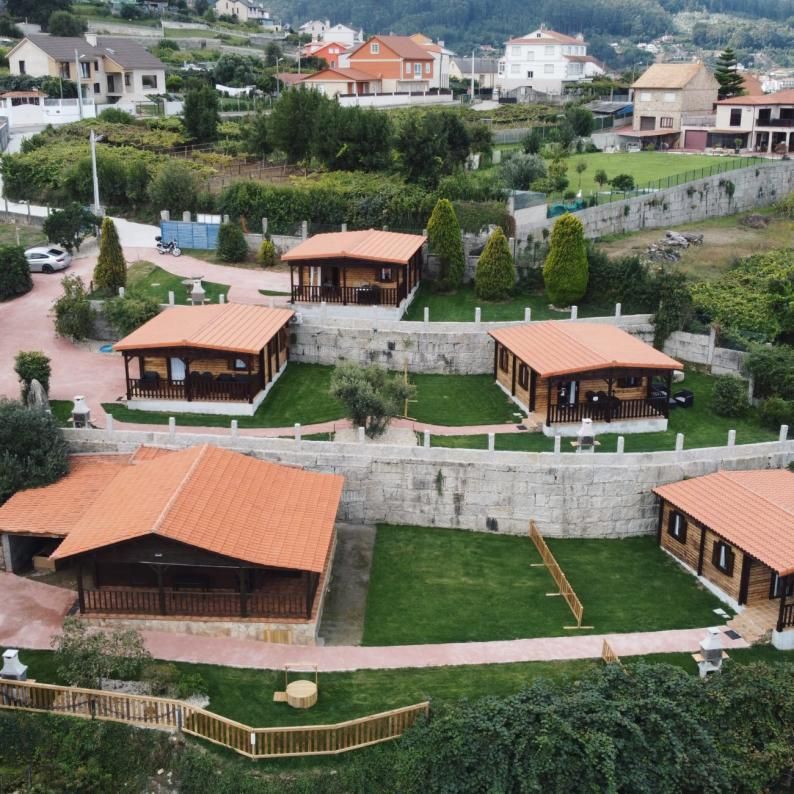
(79, 83)
(94, 176)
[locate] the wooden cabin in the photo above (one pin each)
(206, 359)
(735, 530)
(371, 268)
(563, 372)
(195, 535)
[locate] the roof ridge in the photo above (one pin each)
(178, 490)
(740, 484)
(564, 328)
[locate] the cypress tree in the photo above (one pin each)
(731, 82)
(565, 271)
(445, 241)
(496, 271)
(110, 272)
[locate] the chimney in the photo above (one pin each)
(197, 293)
(580, 36)
(91, 39)
(13, 669)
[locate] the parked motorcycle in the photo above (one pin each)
(167, 248)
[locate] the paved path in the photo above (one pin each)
(32, 613)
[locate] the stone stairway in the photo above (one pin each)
(755, 623)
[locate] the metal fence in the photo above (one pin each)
(203, 236)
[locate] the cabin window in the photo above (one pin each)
(239, 364)
(567, 392)
(779, 585)
(374, 48)
(21, 67)
(385, 274)
(149, 80)
(666, 122)
(676, 527)
(177, 369)
(723, 558)
(523, 376)
(736, 117)
(629, 382)
(503, 359)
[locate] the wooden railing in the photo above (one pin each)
(200, 389)
(786, 617)
(140, 601)
(367, 296)
(169, 714)
(564, 588)
(604, 412)
(608, 654)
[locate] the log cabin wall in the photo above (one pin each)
(355, 276)
(217, 366)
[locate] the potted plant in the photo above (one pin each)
(737, 145)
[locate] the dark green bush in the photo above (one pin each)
(190, 684)
(232, 246)
(495, 276)
(772, 369)
(445, 242)
(729, 397)
(162, 677)
(32, 365)
(565, 271)
(130, 312)
(15, 279)
(623, 182)
(775, 411)
(74, 317)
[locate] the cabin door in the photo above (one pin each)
(177, 369)
(331, 277)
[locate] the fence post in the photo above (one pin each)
(618, 309)
(234, 427)
(121, 292)
(170, 297)
(491, 442)
(426, 439)
(574, 312)
(426, 317)
(362, 437)
(171, 426)
(304, 229)
(783, 433)
(344, 227)
(477, 314)
(297, 431)
(731, 438)
(620, 445)
(679, 442)
(264, 226)
(557, 444)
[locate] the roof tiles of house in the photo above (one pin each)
(481, 65)
(236, 327)
(204, 496)
(126, 53)
(753, 510)
(560, 347)
(371, 245)
(332, 74)
(404, 46)
(548, 35)
(778, 98)
(668, 75)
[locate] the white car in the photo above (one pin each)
(47, 259)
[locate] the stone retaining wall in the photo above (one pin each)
(569, 495)
(463, 348)
(702, 349)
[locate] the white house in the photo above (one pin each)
(545, 60)
(323, 30)
(247, 11)
(111, 69)
(485, 70)
(442, 59)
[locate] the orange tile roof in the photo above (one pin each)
(217, 500)
(55, 509)
(236, 327)
(561, 347)
(371, 244)
(345, 74)
(753, 510)
(752, 85)
(404, 46)
(778, 98)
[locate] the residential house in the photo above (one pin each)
(397, 61)
(348, 82)
(735, 531)
(204, 539)
(111, 69)
(762, 123)
(221, 358)
(332, 52)
(610, 114)
(371, 268)
(485, 71)
(441, 59)
(247, 11)
(324, 31)
(314, 28)
(545, 60)
(561, 372)
(663, 95)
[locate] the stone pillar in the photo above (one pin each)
(621, 444)
(187, 217)
(171, 426)
(297, 431)
(731, 438)
(344, 227)
(477, 314)
(171, 300)
(121, 292)
(226, 219)
(527, 314)
(574, 312)
(679, 442)
(426, 439)
(557, 444)
(427, 315)
(304, 229)
(234, 428)
(783, 433)
(362, 435)
(491, 442)
(712, 345)
(264, 226)
(165, 215)
(109, 423)
(618, 309)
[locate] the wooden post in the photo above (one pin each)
(262, 381)
(495, 359)
(344, 285)
(659, 529)
(513, 386)
(308, 595)
(609, 394)
(701, 550)
(548, 404)
(292, 282)
(669, 393)
(80, 590)
(160, 590)
(782, 604)
(268, 362)
(188, 390)
(127, 373)
(250, 380)
(744, 578)
(243, 593)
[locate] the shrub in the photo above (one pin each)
(565, 271)
(175, 187)
(520, 170)
(729, 397)
(85, 656)
(191, 684)
(268, 253)
(162, 677)
(772, 369)
(116, 115)
(496, 271)
(32, 365)
(370, 395)
(64, 24)
(601, 177)
(74, 317)
(675, 308)
(201, 111)
(232, 246)
(32, 449)
(785, 206)
(775, 411)
(70, 226)
(130, 312)
(624, 182)
(445, 241)
(15, 279)
(110, 272)
(531, 143)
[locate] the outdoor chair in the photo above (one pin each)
(206, 376)
(685, 398)
(152, 377)
(225, 377)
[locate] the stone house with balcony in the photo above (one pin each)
(662, 95)
(108, 69)
(399, 63)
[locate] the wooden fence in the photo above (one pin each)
(608, 654)
(168, 714)
(564, 587)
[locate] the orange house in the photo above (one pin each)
(397, 61)
(334, 81)
(330, 52)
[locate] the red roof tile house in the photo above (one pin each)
(398, 62)
(370, 267)
(563, 372)
(220, 358)
(735, 530)
(200, 535)
(335, 80)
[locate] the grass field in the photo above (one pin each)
(146, 278)
(246, 695)
(302, 395)
(458, 307)
(28, 235)
(700, 426)
(432, 585)
(645, 167)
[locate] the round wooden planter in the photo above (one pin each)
(301, 694)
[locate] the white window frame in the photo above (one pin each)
(548, 68)
(427, 68)
(515, 50)
(85, 70)
(530, 55)
(670, 96)
(515, 68)
(417, 70)
(548, 51)
(374, 48)
(646, 96)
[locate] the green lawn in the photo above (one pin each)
(701, 428)
(432, 585)
(62, 411)
(212, 256)
(459, 307)
(645, 167)
(146, 278)
(246, 695)
(302, 395)
(28, 235)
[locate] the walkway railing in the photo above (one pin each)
(370, 296)
(168, 714)
(565, 589)
(201, 388)
(607, 411)
(608, 655)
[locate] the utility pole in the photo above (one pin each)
(79, 85)
(472, 77)
(95, 178)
